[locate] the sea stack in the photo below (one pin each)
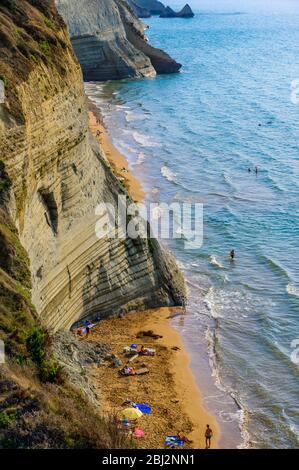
(186, 12)
(168, 13)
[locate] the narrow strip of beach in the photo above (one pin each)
(170, 386)
(118, 162)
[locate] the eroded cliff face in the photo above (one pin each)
(105, 50)
(59, 175)
(161, 61)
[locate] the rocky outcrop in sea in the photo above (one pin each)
(146, 8)
(109, 41)
(185, 12)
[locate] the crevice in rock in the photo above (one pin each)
(50, 205)
(70, 281)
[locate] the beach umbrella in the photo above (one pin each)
(131, 413)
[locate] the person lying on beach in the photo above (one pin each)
(79, 332)
(208, 436)
(182, 437)
(128, 370)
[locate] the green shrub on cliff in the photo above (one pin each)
(35, 344)
(5, 81)
(45, 48)
(38, 343)
(6, 419)
(49, 23)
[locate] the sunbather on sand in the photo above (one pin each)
(182, 437)
(79, 332)
(128, 370)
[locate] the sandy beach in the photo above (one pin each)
(170, 387)
(117, 161)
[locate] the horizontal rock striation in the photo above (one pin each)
(100, 43)
(59, 175)
(105, 51)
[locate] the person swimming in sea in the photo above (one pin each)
(232, 255)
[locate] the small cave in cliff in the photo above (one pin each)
(50, 205)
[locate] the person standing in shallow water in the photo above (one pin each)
(208, 436)
(232, 255)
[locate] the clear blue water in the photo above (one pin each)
(192, 137)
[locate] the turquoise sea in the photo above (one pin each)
(192, 137)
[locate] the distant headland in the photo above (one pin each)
(147, 8)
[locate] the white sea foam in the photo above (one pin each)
(156, 190)
(215, 262)
(292, 290)
(168, 174)
(143, 140)
(141, 158)
(239, 414)
(228, 417)
(210, 300)
(131, 116)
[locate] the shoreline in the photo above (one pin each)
(117, 161)
(170, 386)
(184, 378)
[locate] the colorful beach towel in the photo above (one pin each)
(173, 441)
(143, 407)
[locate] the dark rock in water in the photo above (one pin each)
(139, 11)
(153, 6)
(145, 8)
(168, 13)
(186, 12)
